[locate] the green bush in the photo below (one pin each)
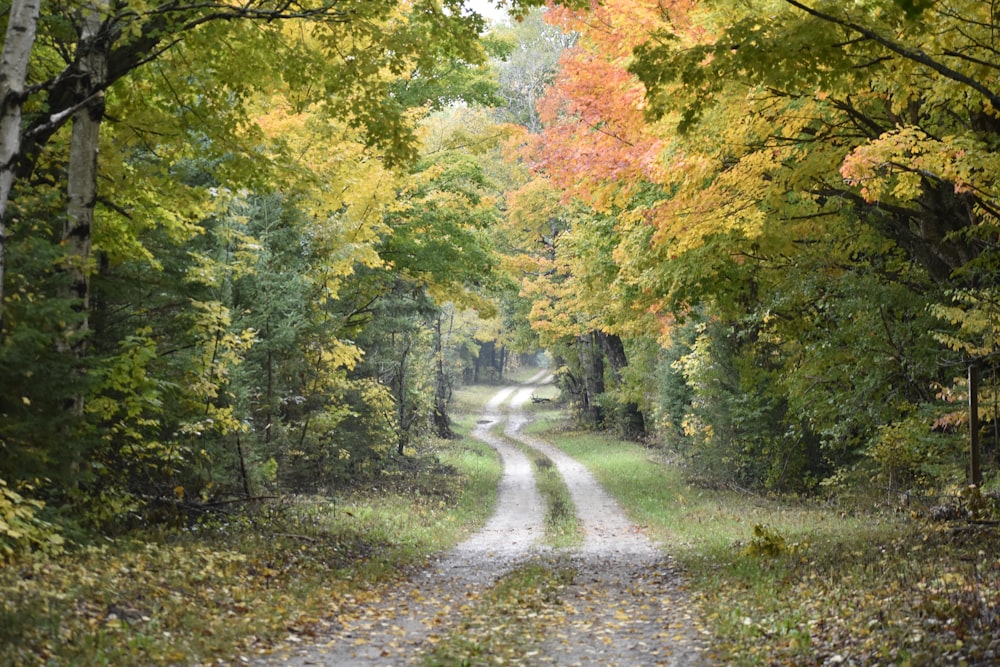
(21, 527)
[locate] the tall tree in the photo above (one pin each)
(22, 25)
(806, 140)
(439, 252)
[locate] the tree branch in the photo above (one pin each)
(917, 56)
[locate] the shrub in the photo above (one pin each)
(21, 527)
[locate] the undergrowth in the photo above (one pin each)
(239, 584)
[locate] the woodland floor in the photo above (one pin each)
(616, 600)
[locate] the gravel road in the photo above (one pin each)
(626, 606)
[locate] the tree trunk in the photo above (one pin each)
(486, 360)
(501, 364)
(592, 372)
(441, 389)
(22, 23)
(633, 422)
(402, 413)
(81, 190)
(81, 198)
(975, 461)
(243, 467)
(268, 388)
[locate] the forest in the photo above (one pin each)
(250, 249)
(266, 265)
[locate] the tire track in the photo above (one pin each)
(606, 527)
(392, 628)
(625, 607)
(518, 521)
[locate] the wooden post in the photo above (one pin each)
(975, 465)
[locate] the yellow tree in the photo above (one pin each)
(169, 128)
(830, 140)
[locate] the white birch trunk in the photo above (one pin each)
(81, 190)
(21, 28)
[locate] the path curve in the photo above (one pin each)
(606, 527)
(517, 523)
(625, 606)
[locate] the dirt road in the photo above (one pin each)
(625, 606)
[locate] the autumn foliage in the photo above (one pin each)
(785, 210)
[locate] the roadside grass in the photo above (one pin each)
(240, 584)
(802, 583)
(467, 403)
(508, 622)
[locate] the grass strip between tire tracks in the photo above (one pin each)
(509, 621)
(562, 527)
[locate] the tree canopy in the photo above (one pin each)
(250, 248)
(785, 211)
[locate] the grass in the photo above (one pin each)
(227, 589)
(511, 618)
(799, 583)
(562, 529)
(774, 582)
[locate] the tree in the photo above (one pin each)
(845, 120)
(801, 146)
(151, 300)
(595, 151)
(22, 24)
(712, 189)
(359, 42)
(596, 145)
(438, 253)
(527, 69)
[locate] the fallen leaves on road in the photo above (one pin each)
(509, 621)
